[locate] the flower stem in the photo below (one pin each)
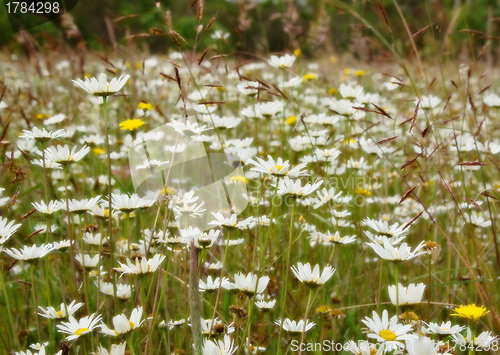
(472, 341)
(396, 270)
(35, 304)
(283, 297)
(429, 281)
(379, 298)
(69, 235)
(309, 303)
(263, 251)
(195, 302)
(110, 221)
(221, 276)
(7, 306)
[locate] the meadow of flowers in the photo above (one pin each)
(371, 225)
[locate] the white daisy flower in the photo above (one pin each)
(101, 87)
(249, 88)
(248, 283)
(388, 330)
(282, 62)
(294, 327)
(326, 195)
(123, 324)
(212, 285)
(127, 204)
(219, 347)
(7, 229)
(63, 156)
(76, 329)
(396, 254)
(265, 305)
(142, 266)
(116, 349)
(53, 206)
(207, 240)
(94, 239)
(408, 296)
(38, 346)
(276, 168)
(48, 164)
(423, 346)
(30, 253)
(382, 228)
(188, 128)
(83, 205)
(444, 329)
(229, 223)
(312, 277)
(364, 347)
(294, 188)
(87, 261)
(64, 310)
(193, 210)
(123, 292)
(42, 135)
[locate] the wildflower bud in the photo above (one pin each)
(240, 312)
(169, 19)
(411, 316)
(200, 10)
(433, 249)
(447, 349)
(336, 314)
(322, 310)
(200, 27)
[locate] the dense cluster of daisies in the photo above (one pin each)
(348, 234)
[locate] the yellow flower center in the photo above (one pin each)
(132, 323)
(81, 330)
(131, 124)
(60, 314)
(279, 167)
(388, 335)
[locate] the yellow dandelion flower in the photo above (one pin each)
(98, 151)
(132, 124)
(297, 52)
(364, 192)
(359, 72)
(471, 312)
(310, 76)
(145, 106)
(291, 120)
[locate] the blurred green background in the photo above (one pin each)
(315, 26)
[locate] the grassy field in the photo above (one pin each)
(380, 173)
